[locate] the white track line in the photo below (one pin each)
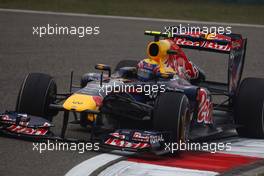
(89, 166)
(130, 18)
(128, 168)
(246, 147)
(240, 146)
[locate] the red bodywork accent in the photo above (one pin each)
(125, 144)
(28, 131)
(210, 44)
(205, 107)
(98, 100)
(180, 63)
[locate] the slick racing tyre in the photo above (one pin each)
(249, 108)
(37, 91)
(126, 63)
(172, 114)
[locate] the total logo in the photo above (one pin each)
(156, 139)
(77, 102)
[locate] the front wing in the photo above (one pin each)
(136, 141)
(24, 126)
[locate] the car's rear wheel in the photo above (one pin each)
(37, 91)
(249, 108)
(171, 113)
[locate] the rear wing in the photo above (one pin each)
(197, 40)
(232, 44)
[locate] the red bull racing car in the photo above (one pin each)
(142, 105)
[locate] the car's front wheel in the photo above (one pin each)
(37, 92)
(172, 114)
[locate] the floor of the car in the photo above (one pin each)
(223, 123)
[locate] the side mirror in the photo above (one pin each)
(103, 67)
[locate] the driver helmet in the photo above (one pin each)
(146, 69)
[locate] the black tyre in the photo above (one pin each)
(37, 91)
(171, 113)
(126, 63)
(249, 108)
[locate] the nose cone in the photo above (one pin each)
(80, 102)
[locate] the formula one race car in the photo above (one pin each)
(135, 114)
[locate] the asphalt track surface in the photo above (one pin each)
(21, 53)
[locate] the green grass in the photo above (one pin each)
(174, 9)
